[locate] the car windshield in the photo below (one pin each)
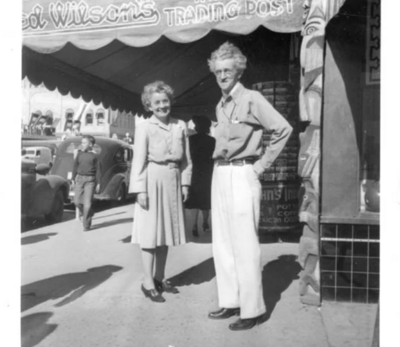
(28, 152)
(77, 146)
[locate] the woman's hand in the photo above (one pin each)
(143, 200)
(185, 193)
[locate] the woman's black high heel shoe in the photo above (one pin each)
(152, 294)
(165, 286)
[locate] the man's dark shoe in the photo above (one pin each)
(224, 313)
(244, 324)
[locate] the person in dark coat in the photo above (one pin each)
(86, 177)
(202, 147)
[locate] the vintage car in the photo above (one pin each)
(40, 155)
(51, 144)
(44, 196)
(115, 163)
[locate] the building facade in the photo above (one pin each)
(49, 113)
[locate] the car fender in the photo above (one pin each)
(110, 191)
(43, 193)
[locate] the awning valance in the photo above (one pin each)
(90, 24)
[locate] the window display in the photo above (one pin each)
(370, 151)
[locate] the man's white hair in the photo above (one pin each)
(228, 51)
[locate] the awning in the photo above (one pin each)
(107, 50)
(91, 24)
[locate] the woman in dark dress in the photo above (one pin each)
(201, 150)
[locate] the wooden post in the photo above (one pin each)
(312, 64)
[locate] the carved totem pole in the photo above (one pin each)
(317, 14)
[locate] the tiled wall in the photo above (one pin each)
(349, 262)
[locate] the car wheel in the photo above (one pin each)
(56, 214)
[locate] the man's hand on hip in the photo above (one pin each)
(258, 169)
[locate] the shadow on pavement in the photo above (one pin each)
(127, 239)
(203, 272)
(265, 237)
(112, 222)
(288, 236)
(277, 276)
(28, 224)
(36, 238)
(34, 328)
(70, 287)
(108, 215)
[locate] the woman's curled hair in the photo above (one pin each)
(155, 87)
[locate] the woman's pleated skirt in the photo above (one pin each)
(163, 224)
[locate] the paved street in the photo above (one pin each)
(83, 289)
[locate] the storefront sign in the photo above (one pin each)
(279, 206)
(60, 17)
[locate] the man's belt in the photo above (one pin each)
(170, 164)
(236, 162)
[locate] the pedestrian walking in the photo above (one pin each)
(160, 176)
(202, 146)
(242, 114)
(86, 176)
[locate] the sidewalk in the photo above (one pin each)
(83, 289)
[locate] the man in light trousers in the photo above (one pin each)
(242, 114)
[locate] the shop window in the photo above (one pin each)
(49, 121)
(100, 117)
(69, 118)
(370, 150)
(370, 147)
(89, 118)
(351, 142)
